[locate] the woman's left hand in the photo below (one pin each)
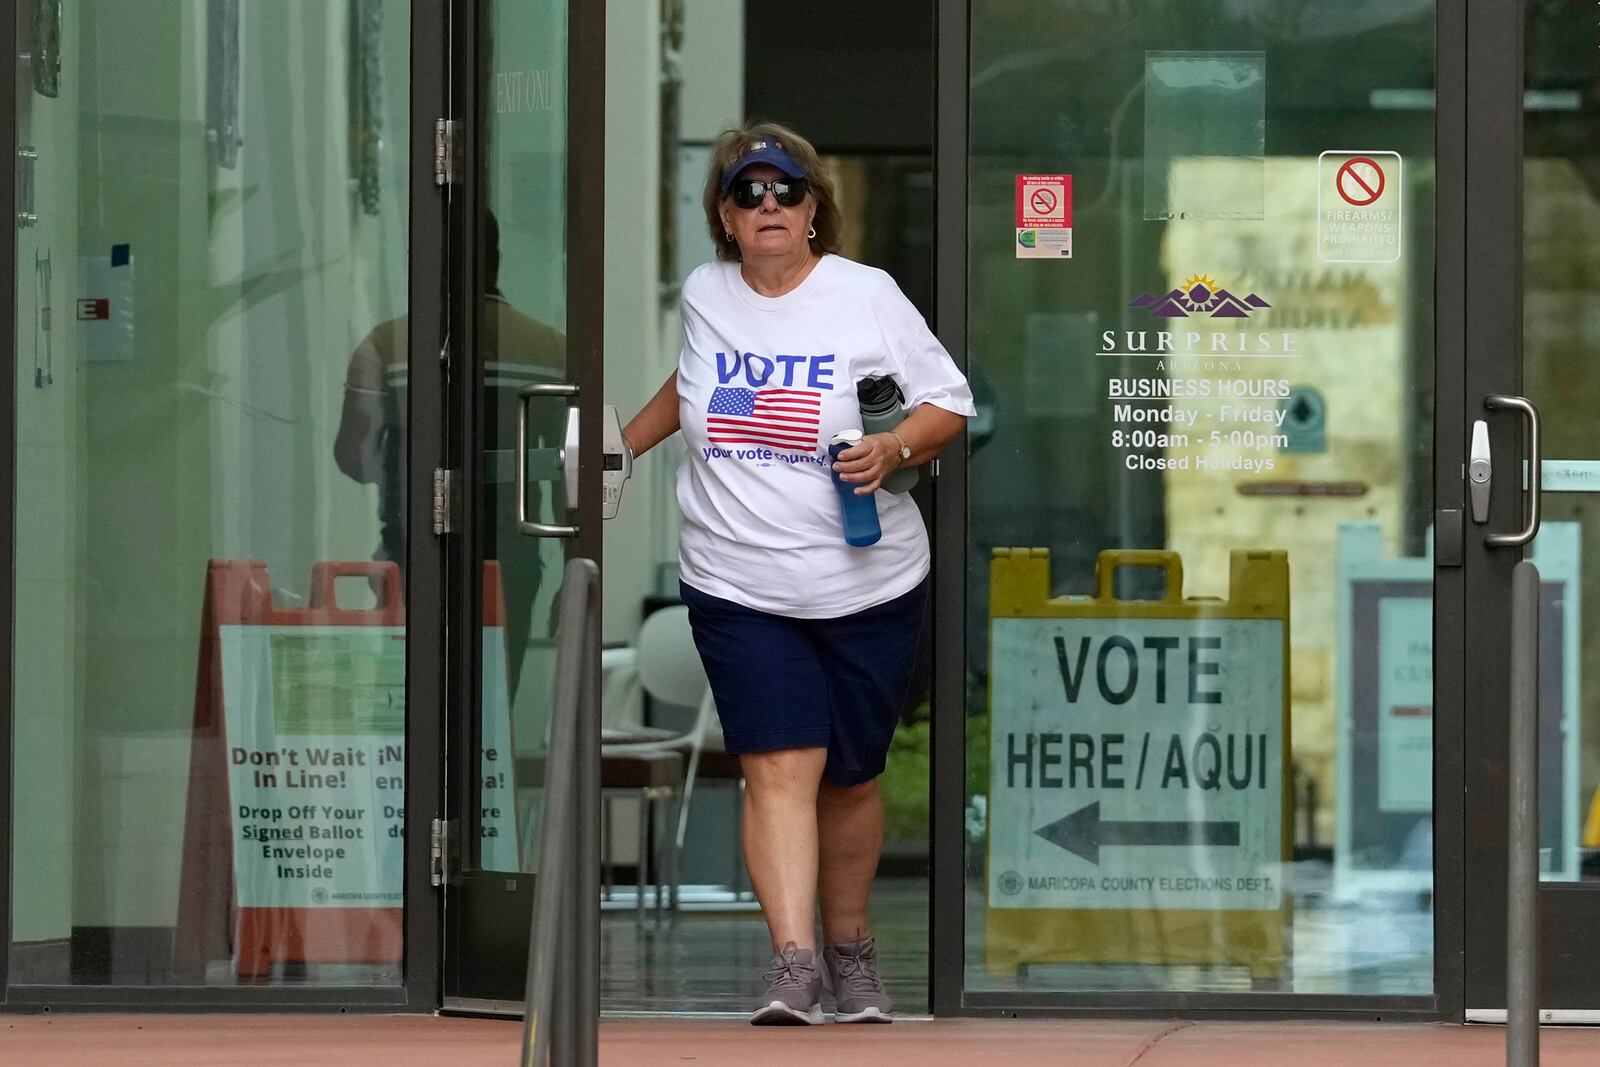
(869, 463)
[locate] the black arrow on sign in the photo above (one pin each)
(1082, 833)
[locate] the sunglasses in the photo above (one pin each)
(748, 193)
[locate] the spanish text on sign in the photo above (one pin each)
(1137, 763)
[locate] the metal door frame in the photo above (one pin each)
(1493, 259)
(1493, 356)
(584, 99)
(1493, 347)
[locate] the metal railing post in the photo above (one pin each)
(561, 1015)
(560, 1022)
(1522, 867)
(585, 899)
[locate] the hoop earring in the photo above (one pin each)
(812, 233)
(727, 235)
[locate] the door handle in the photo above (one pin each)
(567, 458)
(1535, 470)
(1480, 471)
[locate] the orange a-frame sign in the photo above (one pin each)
(212, 925)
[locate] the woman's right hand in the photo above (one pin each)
(656, 421)
(866, 465)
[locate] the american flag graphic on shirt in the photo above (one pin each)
(777, 418)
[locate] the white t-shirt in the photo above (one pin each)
(763, 384)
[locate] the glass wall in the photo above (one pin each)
(1199, 583)
(209, 694)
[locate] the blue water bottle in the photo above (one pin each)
(859, 512)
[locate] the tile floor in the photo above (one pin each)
(420, 1041)
(708, 961)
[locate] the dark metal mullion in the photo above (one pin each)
(585, 248)
(8, 479)
(1493, 279)
(586, 244)
(470, 201)
(425, 572)
(947, 912)
(1449, 440)
(463, 547)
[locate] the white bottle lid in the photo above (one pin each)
(851, 437)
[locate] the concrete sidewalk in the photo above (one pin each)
(401, 1041)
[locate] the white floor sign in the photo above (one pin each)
(316, 764)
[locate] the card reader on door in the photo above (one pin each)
(616, 461)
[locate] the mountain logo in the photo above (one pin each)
(1199, 295)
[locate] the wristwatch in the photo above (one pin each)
(905, 449)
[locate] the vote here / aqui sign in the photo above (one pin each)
(1136, 763)
(1137, 756)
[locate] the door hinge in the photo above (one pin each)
(444, 151)
(444, 503)
(438, 851)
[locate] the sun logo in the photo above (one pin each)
(1199, 292)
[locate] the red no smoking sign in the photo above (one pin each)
(1044, 201)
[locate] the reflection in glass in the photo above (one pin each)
(521, 318)
(209, 686)
(1560, 343)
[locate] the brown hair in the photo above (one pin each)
(730, 146)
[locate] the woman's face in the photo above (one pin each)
(769, 229)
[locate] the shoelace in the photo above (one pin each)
(856, 973)
(787, 970)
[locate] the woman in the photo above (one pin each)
(808, 642)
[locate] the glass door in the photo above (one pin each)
(210, 725)
(1201, 262)
(1533, 255)
(524, 377)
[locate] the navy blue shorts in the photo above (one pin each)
(783, 683)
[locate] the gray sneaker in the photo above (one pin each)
(852, 977)
(794, 990)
